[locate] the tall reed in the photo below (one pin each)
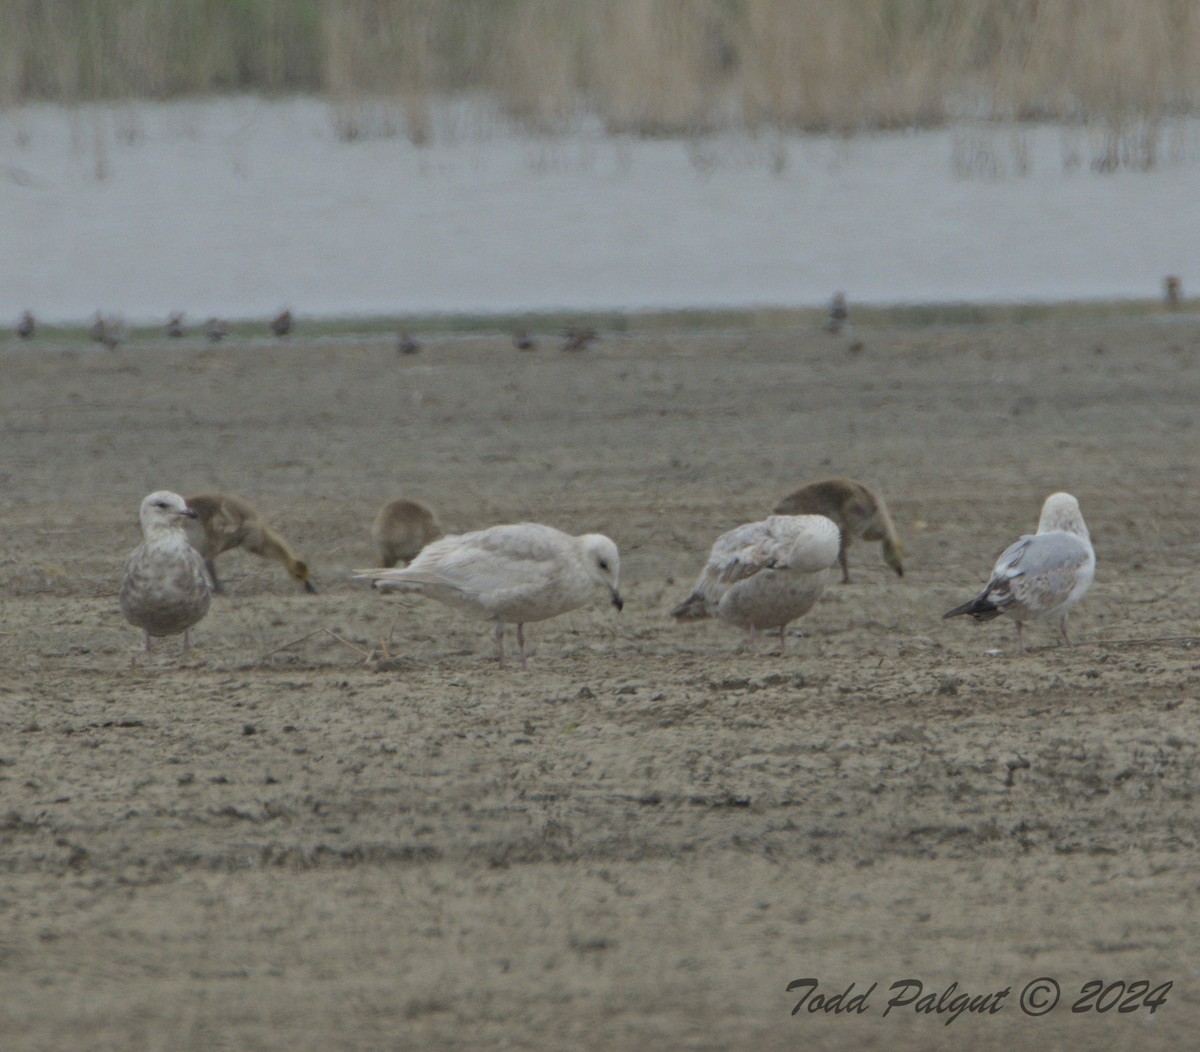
(647, 67)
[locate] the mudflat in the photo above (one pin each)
(336, 823)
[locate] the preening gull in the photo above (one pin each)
(765, 574)
(1043, 574)
(223, 522)
(163, 589)
(858, 513)
(401, 529)
(516, 573)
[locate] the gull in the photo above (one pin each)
(163, 589)
(765, 574)
(401, 529)
(858, 513)
(1042, 575)
(223, 522)
(514, 573)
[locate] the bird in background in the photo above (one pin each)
(839, 314)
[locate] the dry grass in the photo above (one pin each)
(648, 67)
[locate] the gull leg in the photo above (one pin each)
(149, 644)
(500, 641)
(521, 642)
(845, 565)
(187, 642)
(782, 637)
(1020, 641)
(1062, 630)
(211, 567)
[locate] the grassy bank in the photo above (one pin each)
(644, 66)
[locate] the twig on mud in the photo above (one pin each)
(366, 655)
(292, 643)
(1148, 642)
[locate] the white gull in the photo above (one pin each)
(516, 573)
(1042, 575)
(765, 574)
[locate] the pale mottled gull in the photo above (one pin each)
(163, 589)
(1043, 575)
(517, 573)
(858, 513)
(765, 574)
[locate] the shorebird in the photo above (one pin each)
(26, 325)
(578, 339)
(838, 313)
(281, 324)
(174, 326)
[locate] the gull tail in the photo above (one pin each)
(691, 609)
(981, 608)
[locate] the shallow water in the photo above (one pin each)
(238, 207)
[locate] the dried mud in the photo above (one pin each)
(336, 823)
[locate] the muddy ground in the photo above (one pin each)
(337, 824)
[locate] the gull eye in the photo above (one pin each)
(603, 564)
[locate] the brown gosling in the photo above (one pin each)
(401, 529)
(174, 326)
(163, 590)
(858, 512)
(522, 341)
(407, 343)
(224, 522)
(579, 339)
(281, 324)
(26, 326)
